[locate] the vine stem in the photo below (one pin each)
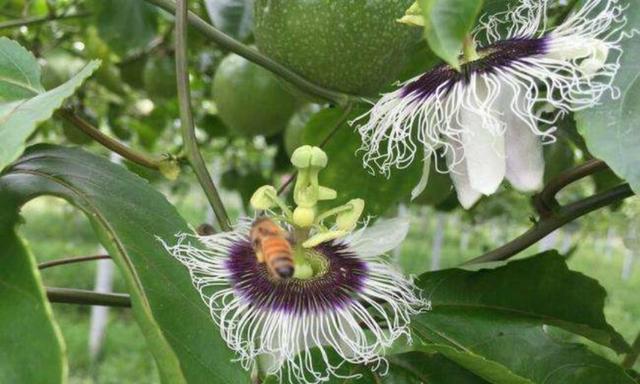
(84, 297)
(554, 216)
(186, 119)
(110, 143)
(563, 216)
(229, 43)
(71, 260)
(545, 202)
(40, 19)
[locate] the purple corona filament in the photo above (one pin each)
(334, 289)
(495, 56)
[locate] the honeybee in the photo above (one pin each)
(272, 247)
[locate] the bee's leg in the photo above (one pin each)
(260, 256)
(291, 238)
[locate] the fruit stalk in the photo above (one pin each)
(108, 142)
(560, 218)
(41, 19)
(84, 297)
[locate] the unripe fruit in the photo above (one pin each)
(251, 100)
(354, 46)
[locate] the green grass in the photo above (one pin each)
(54, 230)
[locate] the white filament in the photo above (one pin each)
(280, 339)
(582, 59)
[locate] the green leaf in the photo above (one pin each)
(504, 349)
(405, 368)
(418, 368)
(128, 215)
(32, 347)
(19, 118)
(447, 23)
(612, 129)
(346, 173)
(233, 17)
(19, 72)
(125, 25)
(540, 288)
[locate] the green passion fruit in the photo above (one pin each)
(251, 101)
(353, 46)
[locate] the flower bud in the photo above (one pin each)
(319, 159)
(169, 168)
(301, 157)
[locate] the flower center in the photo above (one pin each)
(311, 226)
(309, 264)
(337, 274)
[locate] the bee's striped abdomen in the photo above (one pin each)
(278, 256)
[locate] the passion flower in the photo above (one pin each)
(483, 117)
(343, 293)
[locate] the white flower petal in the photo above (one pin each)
(382, 237)
(482, 136)
(485, 160)
(525, 160)
(523, 145)
(467, 196)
